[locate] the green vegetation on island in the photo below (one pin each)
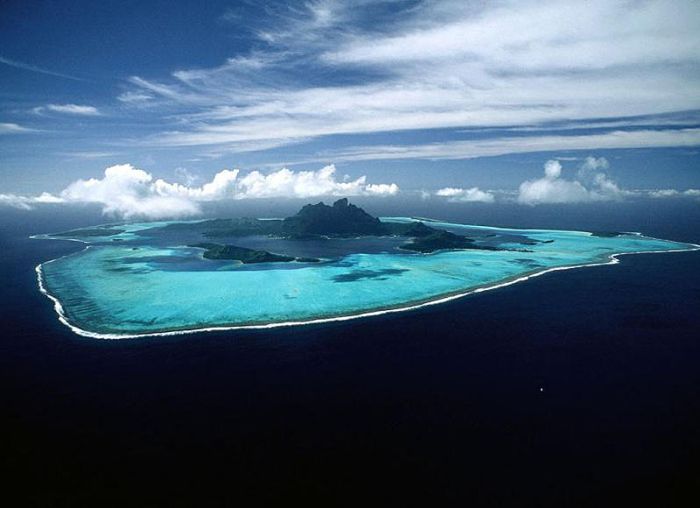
(244, 255)
(442, 240)
(216, 228)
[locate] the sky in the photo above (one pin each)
(151, 108)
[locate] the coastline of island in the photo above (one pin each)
(607, 260)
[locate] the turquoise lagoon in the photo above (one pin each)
(130, 284)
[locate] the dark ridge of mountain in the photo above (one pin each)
(342, 219)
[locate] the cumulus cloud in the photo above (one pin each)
(129, 192)
(552, 170)
(69, 109)
(382, 189)
(304, 184)
(590, 184)
(473, 194)
(592, 164)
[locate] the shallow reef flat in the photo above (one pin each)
(129, 282)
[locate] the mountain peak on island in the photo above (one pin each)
(340, 219)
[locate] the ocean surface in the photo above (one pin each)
(576, 387)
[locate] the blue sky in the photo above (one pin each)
(399, 96)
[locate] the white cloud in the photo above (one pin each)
(90, 154)
(13, 128)
(473, 194)
(382, 189)
(673, 193)
(542, 35)
(472, 149)
(552, 169)
(440, 64)
(14, 201)
(128, 192)
(547, 190)
(594, 164)
(304, 184)
(222, 186)
(69, 109)
(26, 202)
(591, 185)
(134, 97)
(664, 193)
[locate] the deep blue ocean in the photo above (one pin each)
(574, 388)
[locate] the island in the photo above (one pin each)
(442, 240)
(325, 263)
(246, 256)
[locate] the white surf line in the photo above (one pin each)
(46, 236)
(56, 303)
(613, 260)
